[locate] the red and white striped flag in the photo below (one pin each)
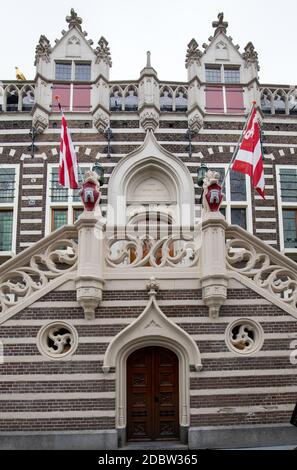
(68, 168)
(249, 156)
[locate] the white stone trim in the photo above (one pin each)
(152, 328)
(31, 221)
(258, 338)
(283, 205)
(37, 358)
(244, 391)
(241, 409)
(13, 415)
(244, 373)
(56, 396)
(55, 377)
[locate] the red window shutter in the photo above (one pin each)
(234, 100)
(63, 91)
(81, 98)
(214, 99)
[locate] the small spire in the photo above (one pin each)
(220, 25)
(148, 59)
(148, 69)
(74, 20)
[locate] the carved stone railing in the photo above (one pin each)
(131, 250)
(36, 267)
(263, 265)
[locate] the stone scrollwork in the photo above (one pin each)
(244, 336)
(57, 340)
(142, 251)
(20, 282)
(258, 265)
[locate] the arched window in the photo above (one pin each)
(279, 102)
(166, 100)
(12, 99)
(1, 98)
(27, 98)
(266, 98)
(131, 99)
(292, 102)
(181, 100)
(115, 103)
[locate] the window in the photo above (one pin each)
(131, 100)
(231, 75)
(290, 228)
(63, 71)
(166, 100)
(7, 184)
(287, 208)
(236, 206)
(6, 221)
(59, 218)
(225, 98)
(82, 71)
(213, 74)
(115, 101)
(9, 181)
(64, 206)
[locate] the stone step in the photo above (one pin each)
(155, 445)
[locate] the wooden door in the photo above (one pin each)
(152, 394)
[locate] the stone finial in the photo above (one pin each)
(193, 53)
(43, 50)
(74, 21)
(148, 59)
(103, 51)
(250, 55)
(220, 25)
(149, 118)
(152, 286)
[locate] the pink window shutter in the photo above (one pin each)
(63, 91)
(214, 99)
(81, 98)
(234, 100)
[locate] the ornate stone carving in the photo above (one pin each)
(89, 295)
(212, 194)
(152, 286)
(244, 336)
(43, 50)
(266, 270)
(196, 122)
(18, 284)
(40, 121)
(214, 296)
(149, 119)
(250, 55)
(57, 340)
(220, 25)
(74, 21)
(103, 52)
(135, 251)
(101, 121)
(193, 53)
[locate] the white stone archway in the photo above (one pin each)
(151, 164)
(152, 328)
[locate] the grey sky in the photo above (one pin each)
(162, 26)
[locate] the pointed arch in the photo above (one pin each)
(130, 95)
(151, 158)
(27, 94)
(166, 98)
(152, 328)
(116, 98)
(11, 98)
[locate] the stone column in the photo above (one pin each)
(89, 282)
(213, 262)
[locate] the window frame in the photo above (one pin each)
(228, 204)
(283, 205)
(70, 204)
(12, 205)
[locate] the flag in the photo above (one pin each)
(249, 156)
(68, 168)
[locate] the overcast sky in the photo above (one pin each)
(162, 26)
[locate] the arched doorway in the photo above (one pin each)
(152, 394)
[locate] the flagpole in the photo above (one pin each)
(238, 144)
(57, 98)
